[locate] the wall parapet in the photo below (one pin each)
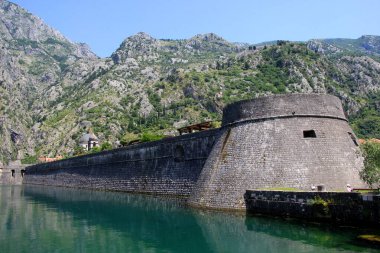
(253, 120)
(312, 105)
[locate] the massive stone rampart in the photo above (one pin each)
(170, 166)
(294, 141)
(287, 141)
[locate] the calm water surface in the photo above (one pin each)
(45, 219)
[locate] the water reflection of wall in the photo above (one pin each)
(259, 234)
(154, 223)
(139, 219)
(27, 225)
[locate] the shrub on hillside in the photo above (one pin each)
(371, 172)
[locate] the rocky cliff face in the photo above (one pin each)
(51, 89)
(34, 60)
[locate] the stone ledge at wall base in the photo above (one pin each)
(348, 208)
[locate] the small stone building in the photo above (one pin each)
(89, 141)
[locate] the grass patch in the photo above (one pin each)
(284, 189)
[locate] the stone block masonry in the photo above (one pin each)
(295, 140)
(169, 167)
(12, 175)
(341, 207)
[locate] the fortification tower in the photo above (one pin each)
(286, 141)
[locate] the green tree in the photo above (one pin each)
(371, 172)
(29, 159)
(95, 150)
(106, 146)
(149, 136)
(78, 150)
(128, 138)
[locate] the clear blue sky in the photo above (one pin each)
(104, 24)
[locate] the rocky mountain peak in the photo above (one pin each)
(370, 43)
(142, 36)
(17, 23)
(208, 37)
(29, 32)
(211, 42)
(139, 46)
(138, 38)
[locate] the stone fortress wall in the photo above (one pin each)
(288, 141)
(295, 140)
(169, 167)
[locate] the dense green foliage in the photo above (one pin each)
(105, 146)
(29, 159)
(371, 172)
(197, 96)
(366, 122)
(78, 150)
(149, 136)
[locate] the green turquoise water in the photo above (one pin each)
(46, 219)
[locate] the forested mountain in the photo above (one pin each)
(52, 90)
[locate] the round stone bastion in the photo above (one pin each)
(297, 141)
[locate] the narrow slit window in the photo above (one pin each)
(13, 173)
(309, 134)
(353, 138)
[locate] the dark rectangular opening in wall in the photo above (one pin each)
(353, 138)
(22, 173)
(179, 153)
(321, 188)
(13, 173)
(309, 134)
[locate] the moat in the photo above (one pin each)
(48, 219)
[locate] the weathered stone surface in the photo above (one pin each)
(316, 105)
(169, 167)
(11, 175)
(263, 145)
